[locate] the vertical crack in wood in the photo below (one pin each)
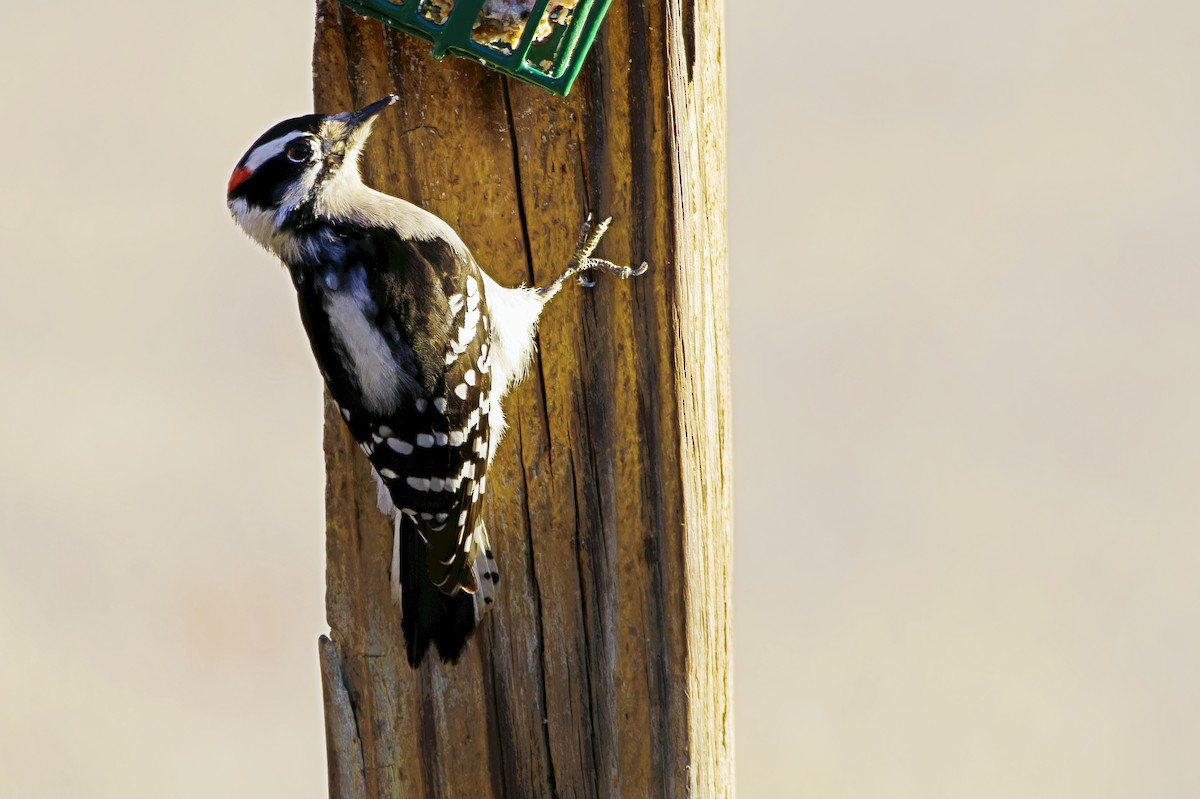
(518, 184)
(500, 759)
(429, 738)
(665, 565)
(688, 24)
(585, 608)
(541, 630)
(532, 277)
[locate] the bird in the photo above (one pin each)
(417, 345)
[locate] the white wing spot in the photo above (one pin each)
(470, 377)
(468, 328)
(403, 447)
(424, 440)
(460, 391)
(419, 483)
(388, 473)
(440, 404)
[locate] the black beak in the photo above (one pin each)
(356, 119)
(355, 128)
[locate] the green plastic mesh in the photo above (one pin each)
(544, 45)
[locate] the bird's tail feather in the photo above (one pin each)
(485, 575)
(427, 614)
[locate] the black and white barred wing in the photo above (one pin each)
(433, 457)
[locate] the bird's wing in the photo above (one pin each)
(408, 364)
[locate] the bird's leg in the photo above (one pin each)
(582, 260)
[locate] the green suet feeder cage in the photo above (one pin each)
(542, 42)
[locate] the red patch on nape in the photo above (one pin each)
(238, 177)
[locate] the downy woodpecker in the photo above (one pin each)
(417, 345)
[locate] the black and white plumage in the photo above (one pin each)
(417, 346)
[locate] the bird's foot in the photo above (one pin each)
(583, 264)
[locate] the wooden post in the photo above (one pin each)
(604, 670)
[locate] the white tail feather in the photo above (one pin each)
(395, 575)
(483, 566)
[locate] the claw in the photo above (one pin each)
(589, 238)
(623, 272)
(582, 264)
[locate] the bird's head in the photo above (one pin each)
(293, 163)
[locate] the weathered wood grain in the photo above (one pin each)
(604, 670)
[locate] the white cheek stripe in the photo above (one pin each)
(268, 150)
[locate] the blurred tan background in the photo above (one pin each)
(964, 253)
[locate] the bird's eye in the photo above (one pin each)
(299, 151)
